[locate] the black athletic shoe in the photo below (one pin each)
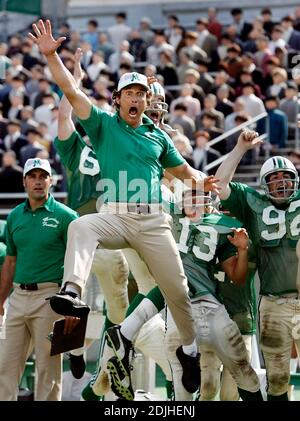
(77, 365)
(191, 370)
(119, 365)
(67, 305)
(120, 384)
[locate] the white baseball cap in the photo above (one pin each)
(37, 163)
(132, 79)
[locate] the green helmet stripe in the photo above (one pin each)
(280, 163)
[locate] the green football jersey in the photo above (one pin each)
(83, 172)
(131, 159)
(240, 301)
(201, 245)
(274, 232)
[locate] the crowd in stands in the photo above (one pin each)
(216, 77)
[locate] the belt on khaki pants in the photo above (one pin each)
(138, 208)
(282, 299)
(35, 286)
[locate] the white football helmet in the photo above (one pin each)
(158, 107)
(274, 165)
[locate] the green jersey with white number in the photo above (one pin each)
(240, 300)
(274, 232)
(83, 173)
(201, 245)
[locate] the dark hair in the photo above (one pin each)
(93, 23)
(266, 11)
(122, 15)
(236, 11)
(180, 106)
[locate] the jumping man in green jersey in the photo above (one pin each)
(132, 153)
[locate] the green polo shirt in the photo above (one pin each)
(131, 159)
(38, 240)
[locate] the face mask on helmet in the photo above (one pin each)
(158, 108)
(284, 188)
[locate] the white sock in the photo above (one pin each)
(190, 349)
(71, 287)
(293, 365)
(130, 327)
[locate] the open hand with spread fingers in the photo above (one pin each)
(43, 37)
(249, 139)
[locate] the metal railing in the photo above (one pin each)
(228, 133)
(16, 196)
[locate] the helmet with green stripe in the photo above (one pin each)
(279, 190)
(158, 106)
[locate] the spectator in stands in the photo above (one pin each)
(214, 26)
(290, 36)
(224, 105)
(29, 60)
(238, 107)
(160, 44)
(167, 68)
(203, 154)
(246, 76)
(75, 40)
(208, 124)
(279, 77)
(263, 53)
(32, 85)
(105, 46)
(276, 39)
(120, 31)
(181, 118)
(231, 141)
(268, 24)
(120, 56)
(34, 145)
(191, 46)
(14, 45)
(294, 157)
(14, 140)
(91, 36)
(275, 124)
(185, 63)
(87, 54)
(290, 106)
(138, 46)
(45, 88)
(147, 34)
(11, 175)
(206, 41)
(297, 18)
(43, 113)
(192, 77)
(170, 32)
(17, 103)
(183, 145)
(232, 63)
(97, 65)
(192, 104)
(243, 28)
(210, 102)
(27, 119)
(250, 66)
(206, 81)
(253, 105)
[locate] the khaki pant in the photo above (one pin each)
(150, 235)
(219, 336)
(29, 320)
(279, 327)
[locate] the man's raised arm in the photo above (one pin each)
(247, 140)
(63, 78)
